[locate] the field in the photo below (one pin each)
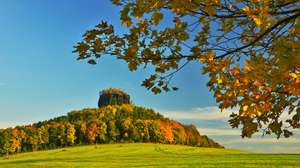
(147, 155)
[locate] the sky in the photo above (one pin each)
(40, 77)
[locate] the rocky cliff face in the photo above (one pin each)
(113, 96)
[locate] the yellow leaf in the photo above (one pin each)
(207, 57)
(257, 21)
(247, 66)
(246, 9)
(218, 95)
(245, 107)
(293, 75)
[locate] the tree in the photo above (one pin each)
(102, 131)
(43, 136)
(82, 133)
(71, 132)
(112, 131)
(142, 130)
(126, 128)
(53, 135)
(155, 134)
(32, 138)
(92, 132)
(62, 137)
(5, 141)
(16, 140)
(248, 48)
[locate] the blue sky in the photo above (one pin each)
(40, 77)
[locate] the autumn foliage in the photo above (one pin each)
(248, 48)
(109, 124)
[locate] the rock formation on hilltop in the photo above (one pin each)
(112, 96)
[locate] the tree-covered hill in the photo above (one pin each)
(109, 124)
(116, 120)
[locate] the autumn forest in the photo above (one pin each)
(113, 123)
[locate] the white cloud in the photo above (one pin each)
(215, 131)
(232, 131)
(200, 113)
(231, 137)
(291, 140)
(211, 113)
(285, 149)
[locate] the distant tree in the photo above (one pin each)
(92, 132)
(167, 131)
(43, 136)
(53, 136)
(5, 141)
(102, 131)
(126, 127)
(62, 136)
(249, 49)
(32, 138)
(112, 131)
(179, 133)
(71, 132)
(142, 129)
(82, 133)
(16, 140)
(155, 134)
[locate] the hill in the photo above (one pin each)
(116, 120)
(109, 124)
(148, 155)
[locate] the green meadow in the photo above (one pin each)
(147, 155)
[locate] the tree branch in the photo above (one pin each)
(287, 19)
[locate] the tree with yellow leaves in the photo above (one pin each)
(250, 49)
(71, 134)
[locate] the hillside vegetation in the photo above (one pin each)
(148, 155)
(109, 124)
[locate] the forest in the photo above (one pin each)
(124, 123)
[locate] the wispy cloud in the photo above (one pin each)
(263, 144)
(291, 140)
(231, 138)
(232, 131)
(208, 120)
(285, 149)
(201, 113)
(210, 113)
(215, 131)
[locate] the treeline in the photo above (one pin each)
(110, 124)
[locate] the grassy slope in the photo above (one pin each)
(147, 155)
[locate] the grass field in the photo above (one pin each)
(147, 155)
